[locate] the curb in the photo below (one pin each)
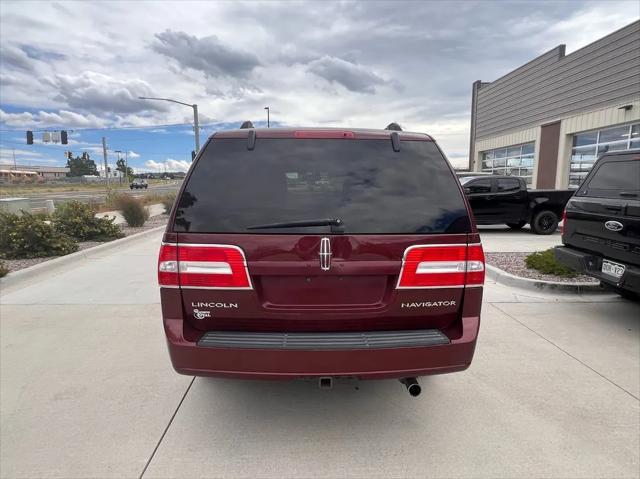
(25, 274)
(502, 277)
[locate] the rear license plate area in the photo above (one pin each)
(612, 269)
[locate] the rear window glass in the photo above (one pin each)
(364, 183)
(612, 178)
(479, 186)
(506, 184)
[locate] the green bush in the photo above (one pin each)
(3, 269)
(132, 209)
(32, 236)
(79, 221)
(545, 262)
(168, 201)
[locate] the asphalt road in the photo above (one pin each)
(87, 390)
(38, 199)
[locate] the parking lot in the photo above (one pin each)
(88, 391)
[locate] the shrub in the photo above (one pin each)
(32, 236)
(168, 201)
(133, 210)
(545, 262)
(3, 269)
(79, 221)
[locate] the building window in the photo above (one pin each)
(588, 146)
(514, 161)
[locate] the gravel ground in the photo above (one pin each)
(17, 264)
(514, 263)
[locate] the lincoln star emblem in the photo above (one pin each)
(613, 225)
(325, 254)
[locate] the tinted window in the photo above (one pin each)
(613, 177)
(507, 184)
(480, 186)
(367, 185)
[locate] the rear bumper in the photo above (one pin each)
(591, 265)
(272, 363)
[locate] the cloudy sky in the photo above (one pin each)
(82, 66)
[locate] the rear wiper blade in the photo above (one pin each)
(336, 225)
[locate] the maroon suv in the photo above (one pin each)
(321, 253)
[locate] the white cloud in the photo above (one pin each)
(133, 154)
(7, 153)
(170, 165)
(16, 119)
(311, 63)
(97, 92)
(64, 118)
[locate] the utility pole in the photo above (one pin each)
(15, 167)
(126, 164)
(106, 165)
(196, 125)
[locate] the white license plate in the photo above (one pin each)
(612, 269)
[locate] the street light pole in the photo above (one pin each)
(268, 120)
(196, 123)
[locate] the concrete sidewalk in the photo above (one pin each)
(87, 390)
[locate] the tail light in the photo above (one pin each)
(202, 266)
(442, 266)
(564, 221)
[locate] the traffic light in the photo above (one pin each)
(29, 138)
(63, 137)
(193, 155)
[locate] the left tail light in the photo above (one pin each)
(442, 266)
(203, 266)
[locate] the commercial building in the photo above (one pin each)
(9, 172)
(549, 120)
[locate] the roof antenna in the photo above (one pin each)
(246, 124)
(393, 126)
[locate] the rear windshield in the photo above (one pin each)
(364, 183)
(613, 179)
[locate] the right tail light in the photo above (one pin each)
(442, 266)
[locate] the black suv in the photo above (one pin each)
(601, 233)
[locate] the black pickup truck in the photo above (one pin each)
(498, 199)
(601, 231)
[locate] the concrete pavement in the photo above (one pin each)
(87, 390)
(502, 239)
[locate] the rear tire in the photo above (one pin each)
(516, 226)
(544, 222)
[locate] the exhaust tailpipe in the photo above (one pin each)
(412, 386)
(325, 382)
